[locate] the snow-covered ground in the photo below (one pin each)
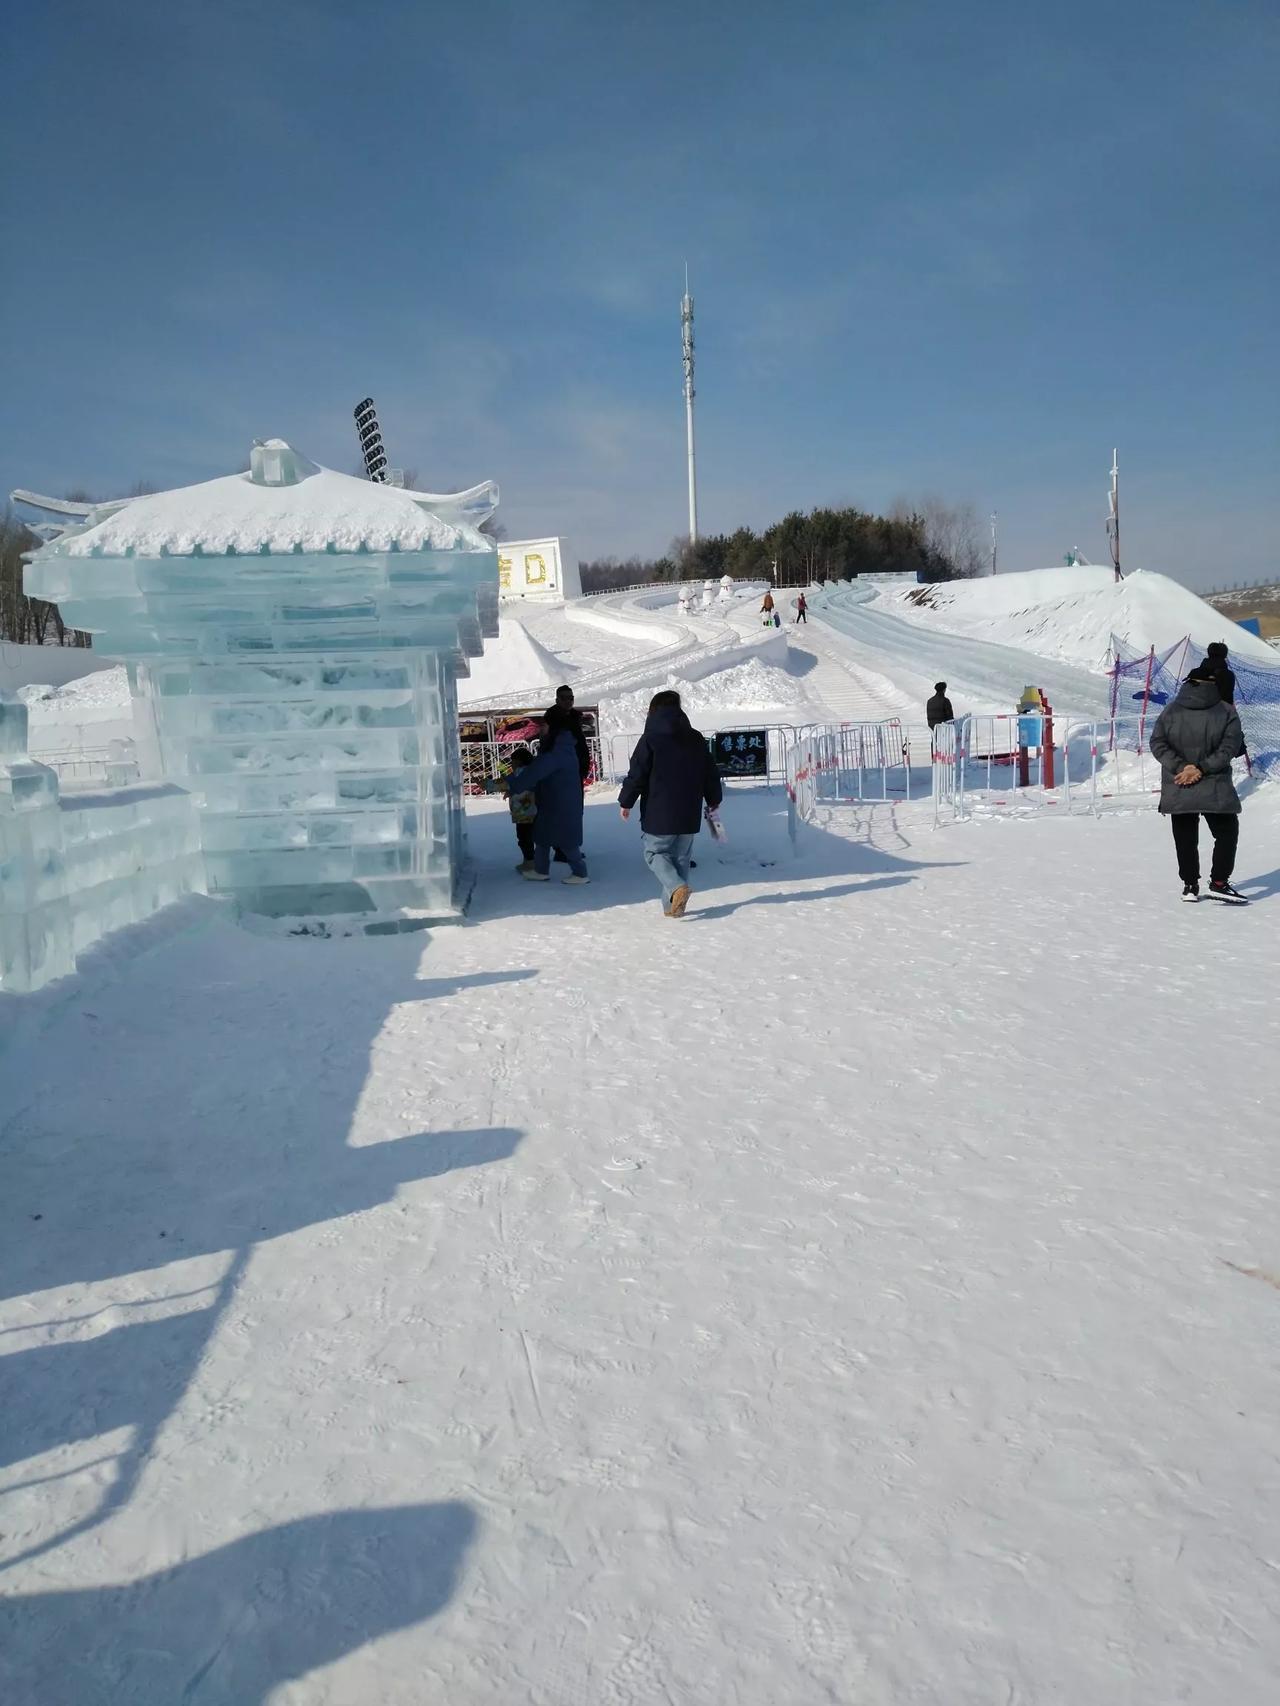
(864, 1291)
(867, 1290)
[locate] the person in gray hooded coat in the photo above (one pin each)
(1194, 740)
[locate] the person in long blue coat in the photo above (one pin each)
(556, 781)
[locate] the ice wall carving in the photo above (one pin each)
(74, 868)
(294, 636)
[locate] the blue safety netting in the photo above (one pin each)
(1146, 681)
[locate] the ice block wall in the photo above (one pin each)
(74, 868)
(294, 637)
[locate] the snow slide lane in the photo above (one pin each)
(980, 675)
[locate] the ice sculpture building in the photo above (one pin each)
(293, 637)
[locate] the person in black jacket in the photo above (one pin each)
(564, 707)
(1223, 674)
(564, 699)
(938, 709)
(1194, 742)
(673, 775)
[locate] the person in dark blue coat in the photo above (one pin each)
(672, 775)
(556, 781)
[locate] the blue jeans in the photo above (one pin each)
(668, 856)
(542, 859)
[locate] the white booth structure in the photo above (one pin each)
(537, 569)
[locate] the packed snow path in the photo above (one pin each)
(845, 690)
(863, 1292)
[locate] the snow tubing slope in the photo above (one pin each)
(1071, 613)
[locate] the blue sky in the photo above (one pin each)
(934, 247)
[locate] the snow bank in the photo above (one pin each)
(1071, 613)
(514, 667)
(104, 693)
(757, 689)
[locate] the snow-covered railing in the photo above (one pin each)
(73, 869)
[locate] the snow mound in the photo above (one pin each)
(104, 690)
(1071, 613)
(514, 667)
(754, 688)
(233, 514)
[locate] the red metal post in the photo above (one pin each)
(1046, 735)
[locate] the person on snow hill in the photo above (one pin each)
(1194, 741)
(1223, 674)
(523, 807)
(938, 709)
(672, 775)
(766, 610)
(556, 782)
(802, 610)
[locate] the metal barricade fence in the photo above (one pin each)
(868, 762)
(944, 770)
(871, 764)
(1085, 766)
(113, 766)
(1093, 765)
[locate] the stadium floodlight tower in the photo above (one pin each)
(686, 338)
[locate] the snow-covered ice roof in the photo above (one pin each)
(282, 503)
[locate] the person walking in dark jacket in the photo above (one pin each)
(564, 702)
(672, 775)
(1194, 741)
(802, 610)
(556, 784)
(938, 709)
(564, 705)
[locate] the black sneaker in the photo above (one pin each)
(1191, 891)
(1224, 891)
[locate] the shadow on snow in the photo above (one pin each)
(851, 846)
(206, 1106)
(234, 1624)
